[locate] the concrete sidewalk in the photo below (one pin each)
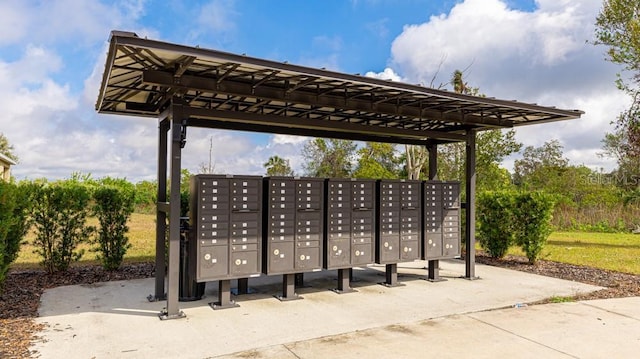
(452, 318)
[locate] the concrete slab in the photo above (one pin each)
(580, 330)
(114, 319)
(566, 330)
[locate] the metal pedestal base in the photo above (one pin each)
(434, 272)
(391, 273)
(164, 316)
(243, 287)
(153, 298)
(344, 276)
(288, 288)
(224, 296)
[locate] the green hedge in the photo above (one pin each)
(506, 218)
(14, 223)
(60, 212)
(113, 204)
(495, 226)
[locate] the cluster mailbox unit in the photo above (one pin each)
(441, 219)
(226, 214)
(399, 224)
(243, 226)
(294, 227)
(350, 240)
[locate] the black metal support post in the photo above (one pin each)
(288, 288)
(391, 275)
(470, 226)
(224, 296)
(344, 275)
(243, 287)
(434, 265)
(161, 215)
(173, 271)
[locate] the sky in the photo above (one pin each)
(52, 56)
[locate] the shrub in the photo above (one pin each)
(14, 223)
(532, 213)
(495, 224)
(59, 213)
(114, 203)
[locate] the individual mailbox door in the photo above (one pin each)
(280, 257)
(213, 262)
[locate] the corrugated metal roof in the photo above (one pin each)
(142, 77)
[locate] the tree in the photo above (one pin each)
(492, 147)
(540, 167)
(329, 157)
(618, 28)
(6, 148)
(416, 157)
(627, 175)
(278, 166)
(377, 160)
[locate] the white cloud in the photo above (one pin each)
(387, 74)
(537, 57)
(65, 21)
(288, 139)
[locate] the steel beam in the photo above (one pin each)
(226, 125)
(173, 270)
(245, 89)
(311, 124)
(470, 212)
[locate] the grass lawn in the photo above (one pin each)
(614, 251)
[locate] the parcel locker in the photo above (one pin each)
(350, 223)
(441, 220)
(226, 217)
(399, 224)
(294, 224)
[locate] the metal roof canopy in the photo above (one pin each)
(188, 86)
(244, 93)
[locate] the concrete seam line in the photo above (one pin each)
(609, 311)
(523, 337)
(291, 351)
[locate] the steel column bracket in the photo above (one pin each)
(344, 276)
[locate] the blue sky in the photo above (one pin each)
(52, 56)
